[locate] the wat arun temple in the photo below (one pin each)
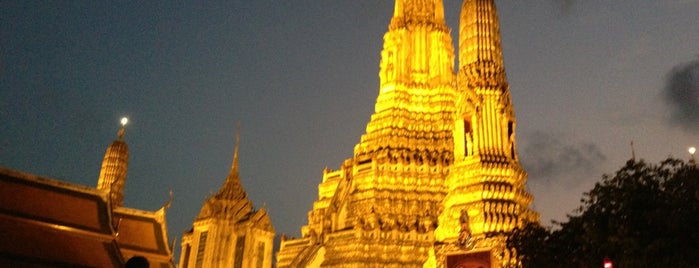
(435, 181)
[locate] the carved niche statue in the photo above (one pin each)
(465, 232)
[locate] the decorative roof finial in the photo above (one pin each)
(169, 201)
(235, 152)
(124, 120)
(114, 166)
(232, 189)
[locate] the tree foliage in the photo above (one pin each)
(644, 216)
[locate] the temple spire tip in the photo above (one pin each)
(234, 167)
(123, 121)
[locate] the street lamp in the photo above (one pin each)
(692, 150)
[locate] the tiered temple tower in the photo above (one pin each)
(380, 209)
(435, 181)
(228, 232)
(114, 166)
(138, 233)
(486, 192)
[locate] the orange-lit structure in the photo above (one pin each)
(50, 223)
(435, 181)
(228, 232)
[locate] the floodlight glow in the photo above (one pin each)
(124, 120)
(692, 150)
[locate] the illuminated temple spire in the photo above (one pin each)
(231, 201)
(381, 207)
(486, 190)
(422, 11)
(229, 232)
(415, 104)
(479, 40)
(232, 188)
(114, 166)
(486, 105)
(435, 178)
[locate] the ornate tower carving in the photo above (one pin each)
(436, 176)
(228, 232)
(380, 209)
(486, 183)
(114, 165)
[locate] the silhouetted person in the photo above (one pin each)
(137, 262)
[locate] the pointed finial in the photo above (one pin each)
(235, 152)
(114, 167)
(124, 120)
(633, 152)
(169, 201)
(232, 188)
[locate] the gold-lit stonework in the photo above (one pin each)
(486, 183)
(114, 166)
(435, 180)
(228, 232)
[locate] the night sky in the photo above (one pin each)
(586, 77)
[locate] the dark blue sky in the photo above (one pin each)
(587, 78)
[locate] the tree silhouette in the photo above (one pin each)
(644, 216)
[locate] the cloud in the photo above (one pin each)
(560, 169)
(681, 93)
(549, 158)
